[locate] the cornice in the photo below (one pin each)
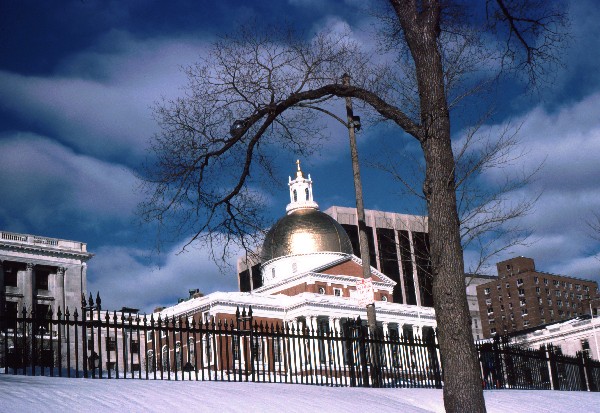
(84, 256)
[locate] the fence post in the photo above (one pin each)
(362, 348)
(554, 381)
(582, 369)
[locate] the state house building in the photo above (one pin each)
(398, 245)
(309, 270)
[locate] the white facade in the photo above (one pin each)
(572, 336)
(41, 271)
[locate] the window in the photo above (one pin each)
(541, 311)
(11, 314)
(41, 279)
(549, 301)
(498, 287)
(578, 287)
(384, 298)
(525, 323)
(524, 311)
(522, 301)
(10, 274)
(277, 350)
(555, 282)
(111, 343)
(545, 281)
(493, 330)
(306, 193)
(488, 301)
(547, 291)
(519, 282)
(177, 356)
(490, 310)
(510, 306)
(502, 307)
(338, 293)
(321, 290)
(165, 358)
(536, 280)
(570, 286)
(487, 291)
(521, 291)
(564, 284)
(150, 360)
(192, 351)
(585, 346)
(579, 297)
(559, 303)
(551, 311)
(586, 288)
(572, 295)
(540, 301)
(134, 346)
(507, 285)
(295, 196)
(272, 272)
(537, 290)
(512, 316)
(557, 293)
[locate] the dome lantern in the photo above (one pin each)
(301, 195)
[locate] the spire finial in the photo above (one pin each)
(299, 172)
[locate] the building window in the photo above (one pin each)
(557, 293)
(41, 279)
(487, 291)
(521, 291)
(295, 196)
(549, 301)
(10, 274)
(338, 293)
(490, 310)
(510, 306)
(498, 287)
(540, 301)
(579, 297)
(165, 358)
(547, 291)
(519, 282)
(321, 290)
(564, 284)
(545, 281)
(525, 323)
(493, 330)
(578, 287)
(524, 311)
(501, 307)
(272, 272)
(537, 290)
(306, 193)
(111, 343)
(559, 303)
(384, 298)
(536, 280)
(192, 351)
(522, 301)
(507, 285)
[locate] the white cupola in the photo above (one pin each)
(301, 195)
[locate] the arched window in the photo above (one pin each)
(150, 360)
(177, 356)
(306, 192)
(191, 351)
(165, 358)
(295, 196)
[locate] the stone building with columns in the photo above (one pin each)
(41, 274)
(309, 277)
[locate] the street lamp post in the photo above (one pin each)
(353, 122)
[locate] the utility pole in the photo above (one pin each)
(362, 225)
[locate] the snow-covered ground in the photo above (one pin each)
(33, 394)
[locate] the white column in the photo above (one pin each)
(26, 280)
(415, 272)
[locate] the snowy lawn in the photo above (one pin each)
(33, 394)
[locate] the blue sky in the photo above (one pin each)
(77, 82)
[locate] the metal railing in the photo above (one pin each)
(103, 344)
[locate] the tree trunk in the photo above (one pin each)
(462, 377)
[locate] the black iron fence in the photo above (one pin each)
(100, 344)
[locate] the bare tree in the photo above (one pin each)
(267, 86)
(489, 213)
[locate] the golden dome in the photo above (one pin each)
(305, 231)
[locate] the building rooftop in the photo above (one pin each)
(43, 243)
